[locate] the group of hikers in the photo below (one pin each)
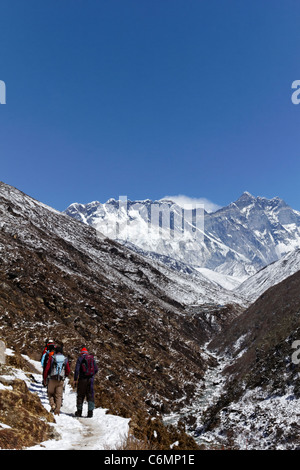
(56, 368)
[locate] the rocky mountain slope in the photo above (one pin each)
(269, 276)
(147, 327)
(24, 421)
(170, 343)
(260, 229)
(257, 406)
(237, 240)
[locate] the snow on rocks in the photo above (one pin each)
(258, 421)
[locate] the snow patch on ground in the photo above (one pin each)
(225, 281)
(259, 422)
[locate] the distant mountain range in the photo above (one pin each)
(236, 241)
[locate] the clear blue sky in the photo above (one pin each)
(148, 98)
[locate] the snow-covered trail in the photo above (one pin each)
(102, 432)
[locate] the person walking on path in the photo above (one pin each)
(85, 370)
(47, 352)
(48, 343)
(56, 370)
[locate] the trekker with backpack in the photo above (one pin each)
(57, 369)
(85, 371)
(48, 343)
(47, 352)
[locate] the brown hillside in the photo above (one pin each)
(60, 279)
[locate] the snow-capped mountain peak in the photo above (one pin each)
(236, 240)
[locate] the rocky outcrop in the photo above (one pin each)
(24, 421)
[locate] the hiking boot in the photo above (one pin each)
(78, 413)
(90, 414)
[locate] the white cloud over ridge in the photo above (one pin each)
(181, 200)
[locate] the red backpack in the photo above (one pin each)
(88, 365)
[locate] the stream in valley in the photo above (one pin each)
(209, 389)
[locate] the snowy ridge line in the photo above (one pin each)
(85, 239)
(239, 239)
(269, 276)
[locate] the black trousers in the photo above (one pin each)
(85, 390)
